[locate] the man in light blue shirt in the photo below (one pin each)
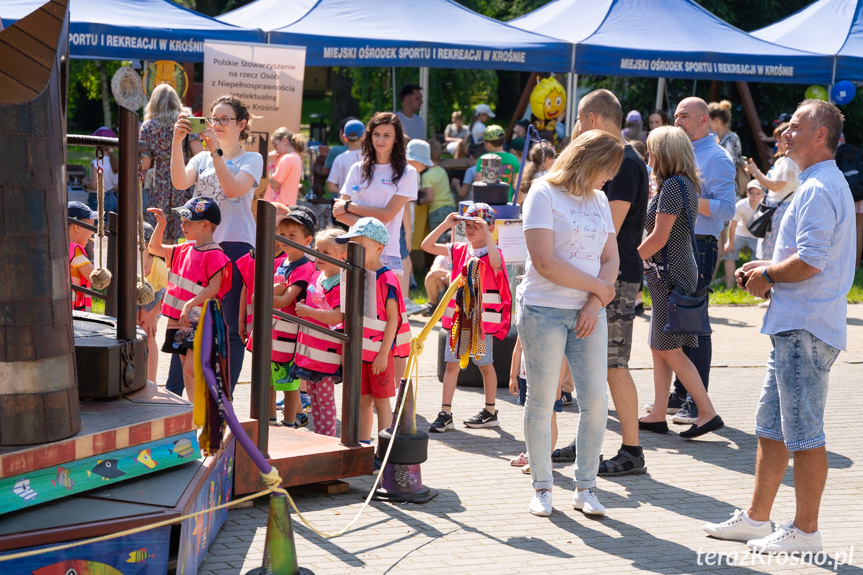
(715, 209)
(807, 281)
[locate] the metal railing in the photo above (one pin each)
(262, 331)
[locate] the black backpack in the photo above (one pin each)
(849, 159)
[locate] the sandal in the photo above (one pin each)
(526, 469)
(519, 461)
(564, 454)
(624, 463)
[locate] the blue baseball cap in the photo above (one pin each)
(479, 210)
(354, 130)
(81, 211)
(371, 228)
(201, 209)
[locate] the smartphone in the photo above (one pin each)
(198, 124)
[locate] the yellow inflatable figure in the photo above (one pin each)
(548, 107)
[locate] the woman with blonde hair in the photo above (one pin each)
(719, 118)
(570, 271)
(157, 133)
(670, 220)
(287, 171)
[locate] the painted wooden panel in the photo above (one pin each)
(76, 477)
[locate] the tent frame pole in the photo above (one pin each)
(424, 111)
(660, 92)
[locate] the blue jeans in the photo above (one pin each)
(701, 356)
(111, 204)
(547, 336)
(791, 407)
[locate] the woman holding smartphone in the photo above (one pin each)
(230, 175)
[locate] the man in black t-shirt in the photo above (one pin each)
(627, 197)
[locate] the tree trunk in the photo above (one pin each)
(106, 94)
(342, 103)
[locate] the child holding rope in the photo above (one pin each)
(80, 264)
(496, 306)
(318, 361)
(383, 338)
(291, 282)
(200, 270)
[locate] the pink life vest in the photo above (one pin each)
(373, 329)
(285, 332)
(496, 297)
(316, 351)
(78, 257)
(246, 266)
(191, 270)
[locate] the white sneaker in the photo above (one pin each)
(787, 539)
(540, 503)
(586, 502)
(739, 528)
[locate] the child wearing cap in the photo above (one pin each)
(493, 139)
(387, 336)
(80, 264)
(354, 130)
(291, 283)
(496, 305)
(318, 360)
(436, 189)
(200, 270)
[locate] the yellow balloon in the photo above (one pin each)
(548, 99)
(816, 92)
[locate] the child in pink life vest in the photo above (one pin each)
(79, 264)
(383, 338)
(292, 280)
(496, 306)
(318, 361)
(246, 267)
(199, 270)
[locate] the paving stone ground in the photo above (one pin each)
(479, 521)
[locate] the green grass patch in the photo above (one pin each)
(81, 155)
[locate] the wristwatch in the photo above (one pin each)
(217, 152)
(348, 206)
(767, 277)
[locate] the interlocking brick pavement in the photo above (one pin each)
(479, 521)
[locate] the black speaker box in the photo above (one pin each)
(107, 367)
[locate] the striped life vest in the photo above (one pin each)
(373, 329)
(191, 270)
(316, 351)
(496, 297)
(77, 258)
(246, 266)
(285, 332)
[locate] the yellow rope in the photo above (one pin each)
(272, 480)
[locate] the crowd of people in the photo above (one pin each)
(617, 208)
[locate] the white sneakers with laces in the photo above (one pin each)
(540, 503)
(587, 502)
(739, 528)
(787, 539)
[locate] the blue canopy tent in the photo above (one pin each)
(833, 27)
(668, 39)
(432, 33)
(268, 14)
(135, 29)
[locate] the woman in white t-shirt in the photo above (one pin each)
(570, 271)
(381, 184)
(230, 175)
(780, 182)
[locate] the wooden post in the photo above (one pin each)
(761, 139)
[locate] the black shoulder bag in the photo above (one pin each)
(761, 221)
(687, 312)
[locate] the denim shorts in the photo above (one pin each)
(394, 264)
(741, 242)
(487, 359)
(403, 244)
(791, 407)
